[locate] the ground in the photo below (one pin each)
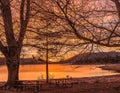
(105, 84)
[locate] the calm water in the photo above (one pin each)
(34, 72)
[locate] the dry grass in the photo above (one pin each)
(105, 84)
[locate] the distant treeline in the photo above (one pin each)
(94, 58)
(104, 60)
(24, 61)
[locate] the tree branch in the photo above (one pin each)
(23, 19)
(7, 19)
(117, 4)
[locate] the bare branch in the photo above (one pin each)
(23, 19)
(7, 18)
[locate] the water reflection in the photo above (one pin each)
(34, 72)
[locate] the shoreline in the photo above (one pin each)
(33, 62)
(112, 67)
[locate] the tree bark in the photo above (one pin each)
(12, 62)
(13, 70)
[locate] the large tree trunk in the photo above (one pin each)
(12, 62)
(13, 70)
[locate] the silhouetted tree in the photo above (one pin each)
(11, 45)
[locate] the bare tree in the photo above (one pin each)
(52, 44)
(11, 49)
(54, 37)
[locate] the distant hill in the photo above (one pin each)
(90, 58)
(87, 58)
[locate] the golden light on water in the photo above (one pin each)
(35, 72)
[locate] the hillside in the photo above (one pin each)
(90, 58)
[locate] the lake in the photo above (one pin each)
(34, 72)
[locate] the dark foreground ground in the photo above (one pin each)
(104, 84)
